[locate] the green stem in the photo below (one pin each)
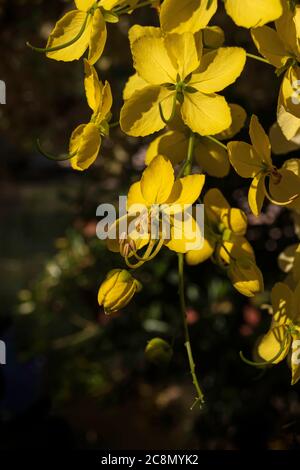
(66, 44)
(56, 158)
(200, 397)
(190, 155)
(257, 57)
(122, 10)
(216, 141)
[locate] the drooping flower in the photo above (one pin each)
(117, 290)
(172, 69)
(82, 29)
(284, 333)
(254, 161)
(225, 243)
(86, 139)
(157, 214)
(282, 49)
(209, 155)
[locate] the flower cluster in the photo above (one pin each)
(181, 69)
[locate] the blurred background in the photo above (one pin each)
(75, 378)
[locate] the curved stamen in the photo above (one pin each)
(279, 203)
(265, 363)
(164, 119)
(66, 44)
(55, 158)
(149, 254)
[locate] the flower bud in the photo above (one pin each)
(117, 290)
(158, 351)
(246, 277)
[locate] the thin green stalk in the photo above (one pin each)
(66, 44)
(122, 10)
(200, 397)
(257, 57)
(216, 141)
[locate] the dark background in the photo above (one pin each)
(75, 378)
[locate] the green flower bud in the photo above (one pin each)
(117, 290)
(158, 351)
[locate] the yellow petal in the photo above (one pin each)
(289, 124)
(256, 194)
(186, 15)
(253, 13)
(137, 32)
(65, 30)
(286, 259)
(85, 141)
(97, 38)
(93, 87)
(135, 196)
(195, 257)
(140, 114)
(186, 191)
(219, 69)
(236, 250)
(134, 83)
(205, 114)
(246, 277)
(271, 344)
(289, 97)
(215, 204)
(185, 234)
(246, 162)
(152, 62)
(260, 141)
(173, 145)
(270, 45)
(287, 26)
(213, 37)
(84, 5)
(212, 158)
(282, 302)
(236, 220)
(109, 4)
(157, 181)
(239, 117)
(105, 104)
(284, 190)
(182, 50)
(279, 143)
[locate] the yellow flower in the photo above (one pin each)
(253, 13)
(284, 331)
(86, 139)
(117, 290)
(210, 156)
(281, 48)
(157, 214)
(82, 29)
(254, 161)
(192, 15)
(225, 242)
(172, 69)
